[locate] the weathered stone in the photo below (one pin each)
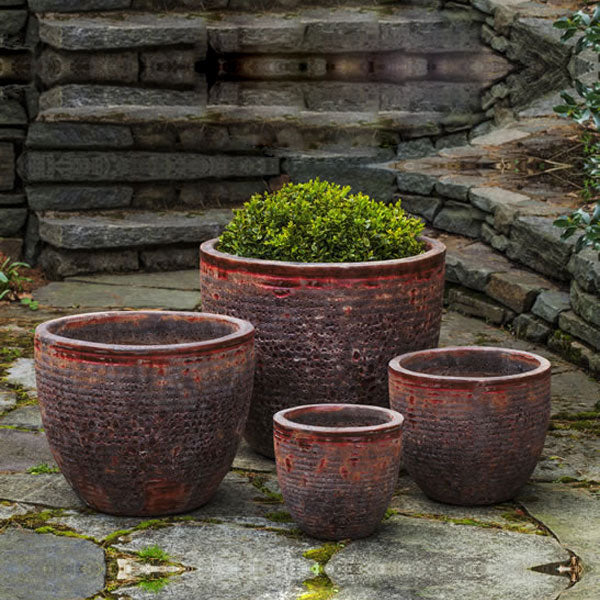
(43, 6)
(173, 280)
(459, 218)
(11, 134)
(585, 305)
(532, 329)
(222, 193)
(457, 186)
(495, 240)
(26, 417)
(585, 268)
(499, 137)
(169, 67)
(12, 113)
(452, 141)
(489, 199)
(7, 169)
(11, 247)
(22, 374)
(475, 304)
(138, 166)
(576, 326)
(535, 242)
(170, 258)
(417, 557)
(422, 206)
(416, 183)
(472, 264)
(549, 304)
(16, 67)
(415, 148)
(56, 197)
(21, 450)
(105, 32)
(49, 490)
(53, 567)
(57, 264)
(12, 22)
(78, 135)
(12, 199)
(122, 104)
(12, 220)
(517, 289)
(8, 400)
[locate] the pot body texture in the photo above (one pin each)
(325, 332)
(337, 466)
(475, 420)
(144, 410)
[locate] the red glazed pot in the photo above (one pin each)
(325, 331)
(337, 466)
(476, 420)
(144, 410)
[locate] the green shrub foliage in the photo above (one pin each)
(321, 222)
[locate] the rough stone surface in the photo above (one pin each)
(585, 268)
(517, 289)
(12, 22)
(416, 183)
(549, 304)
(456, 217)
(422, 206)
(12, 199)
(7, 400)
(12, 220)
(531, 328)
(576, 326)
(173, 280)
(64, 263)
(585, 305)
(460, 561)
(21, 450)
(170, 258)
(475, 304)
(457, 186)
(7, 174)
(77, 5)
(499, 137)
(12, 113)
(60, 197)
(415, 148)
(26, 417)
(489, 199)
(78, 135)
(22, 374)
(54, 568)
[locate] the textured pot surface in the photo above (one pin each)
(144, 410)
(325, 332)
(337, 466)
(476, 420)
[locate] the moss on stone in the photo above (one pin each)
(280, 516)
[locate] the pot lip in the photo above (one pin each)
(244, 333)
(395, 366)
(433, 255)
(281, 419)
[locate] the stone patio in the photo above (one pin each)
(244, 545)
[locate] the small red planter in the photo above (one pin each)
(476, 420)
(325, 331)
(144, 410)
(337, 466)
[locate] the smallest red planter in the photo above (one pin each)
(337, 466)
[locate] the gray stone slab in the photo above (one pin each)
(416, 183)
(8, 400)
(422, 206)
(573, 392)
(12, 199)
(414, 558)
(139, 166)
(21, 450)
(517, 288)
(77, 5)
(27, 417)
(173, 280)
(10, 509)
(59, 197)
(585, 268)
(12, 22)
(531, 328)
(108, 32)
(457, 186)
(22, 373)
(78, 135)
(459, 218)
(89, 295)
(248, 460)
(476, 304)
(12, 220)
(12, 113)
(415, 149)
(170, 258)
(46, 567)
(549, 304)
(578, 327)
(128, 229)
(64, 263)
(489, 199)
(229, 562)
(585, 305)
(49, 490)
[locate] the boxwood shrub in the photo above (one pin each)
(320, 221)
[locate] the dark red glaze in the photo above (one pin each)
(476, 420)
(144, 410)
(325, 331)
(337, 466)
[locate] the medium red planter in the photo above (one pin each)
(337, 466)
(325, 331)
(476, 420)
(144, 410)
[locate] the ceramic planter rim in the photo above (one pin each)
(343, 270)
(280, 419)
(396, 367)
(244, 332)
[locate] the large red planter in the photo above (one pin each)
(325, 331)
(144, 410)
(475, 420)
(337, 466)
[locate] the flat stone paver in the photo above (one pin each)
(46, 567)
(22, 374)
(27, 417)
(21, 450)
(48, 490)
(172, 280)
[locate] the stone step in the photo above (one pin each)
(130, 229)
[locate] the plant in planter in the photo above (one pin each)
(335, 284)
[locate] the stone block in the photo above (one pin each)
(221, 193)
(7, 166)
(587, 306)
(451, 141)
(11, 134)
(457, 186)
(534, 330)
(489, 199)
(12, 221)
(170, 258)
(415, 148)
(459, 218)
(153, 136)
(578, 327)
(428, 96)
(536, 242)
(549, 304)
(60, 197)
(12, 199)
(15, 66)
(58, 264)
(12, 113)
(475, 304)
(490, 236)
(126, 30)
(50, 167)
(42, 6)
(78, 135)
(159, 197)
(169, 67)
(422, 206)
(517, 289)
(417, 183)
(585, 268)
(342, 35)
(12, 22)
